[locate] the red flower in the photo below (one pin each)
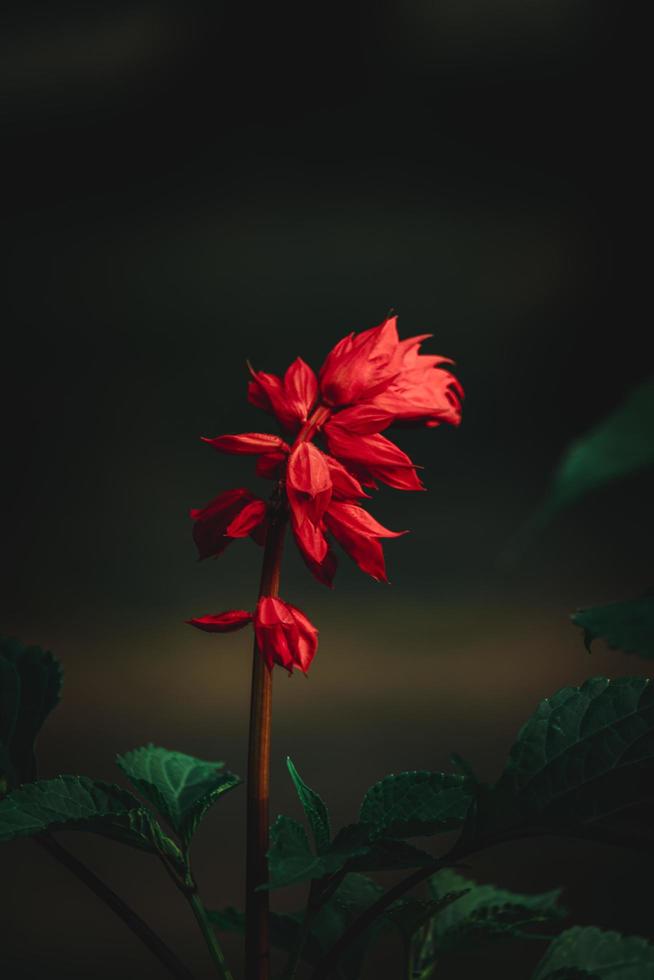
(284, 634)
(309, 490)
(422, 391)
(233, 514)
(358, 534)
(373, 457)
(290, 400)
(361, 366)
(226, 622)
(249, 443)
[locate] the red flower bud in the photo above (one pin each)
(226, 622)
(374, 456)
(361, 365)
(290, 400)
(215, 525)
(357, 532)
(284, 635)
(249, 443)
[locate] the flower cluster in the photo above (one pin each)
(369, 381)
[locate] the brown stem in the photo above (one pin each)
(257, 944)
(134, 922)
(257, 948)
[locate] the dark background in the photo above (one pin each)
(189, 185)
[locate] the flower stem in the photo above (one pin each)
(133, 921)
(207, 931)
(257, 946)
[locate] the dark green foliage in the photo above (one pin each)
(30, 687)
(627, 626)
(354, 894)
(621, 445)
(585, 754)
(181, 787)
(314, 809)
(79, 803)
(415, 803)
(483, 913)
(291, 859)
(587, 953)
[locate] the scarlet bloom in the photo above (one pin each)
(422, 391)
(284, 634)
(230, 515)
(361, 365)
(290, 400)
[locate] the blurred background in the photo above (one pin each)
(190, 185)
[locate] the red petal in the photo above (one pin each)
(284, 634)
(250, 517)
(212, 521)
(310, 539)
(308, 483)
(269, 465)
(362, 365)
(301, 385)
(225, 622)
(366, 551)
(364, 418)
(376, 454)
(359, 521)
(344, 483)
(248, 443)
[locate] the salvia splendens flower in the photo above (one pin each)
(284, 634)
(368, 382)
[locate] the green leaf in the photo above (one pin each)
(484, 913)
(586, 753)
(410, 915)
(79, 803)
(621, 445)
(414, 803)
(387, 854)
(291, 859)
(25, 705)
(627, 626)
(181, 787)
(284, 928)
(592, 954)
(314, 808)
(353, 896)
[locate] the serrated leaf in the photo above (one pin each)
(181, 787)
(585, 754)
(591, 953)
(38, 692)
(291, 859)
(353, 896)
(415, 803)
(483, 913)
(314, 808)
(388, 854)
(410, 915)
(621, 445)
(79, 803)
(627, 626)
